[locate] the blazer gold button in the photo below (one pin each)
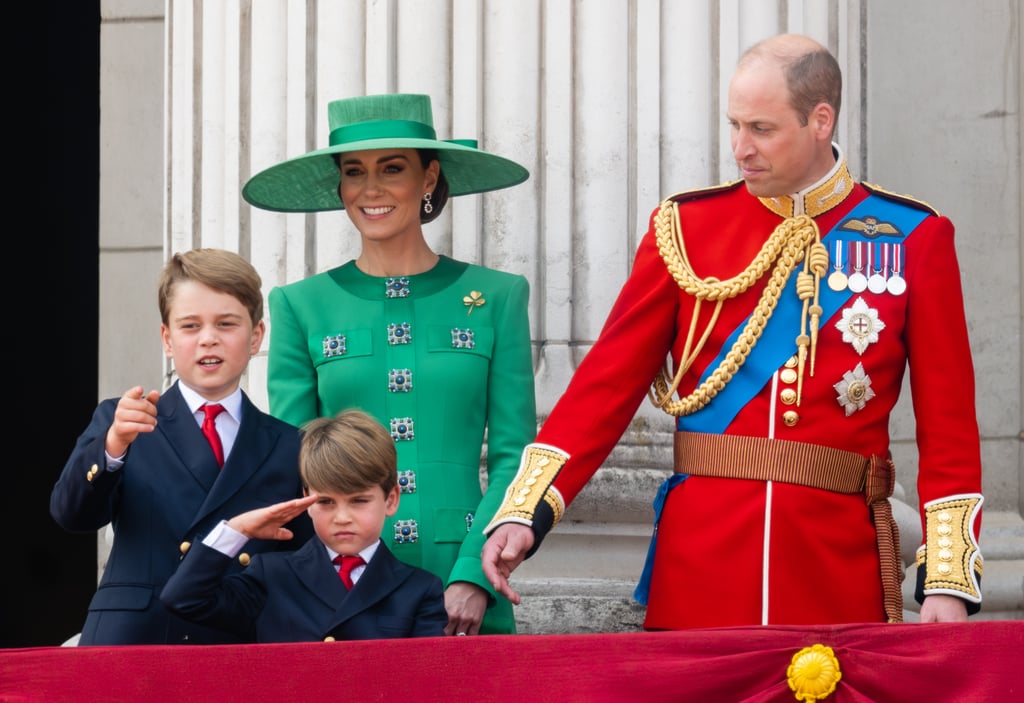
(328, 638)
(790, 418)
(185, 546)
(791, 362)
(788, 375)
(244, 559)
(788, 396)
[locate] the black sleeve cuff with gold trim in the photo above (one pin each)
(950, 562)
(543, 522)
(919, 594)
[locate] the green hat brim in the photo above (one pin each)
(309, 183)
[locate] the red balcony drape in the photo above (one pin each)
(965, 662)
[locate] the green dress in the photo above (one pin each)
(438, 358)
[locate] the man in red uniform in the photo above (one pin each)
(791, 302)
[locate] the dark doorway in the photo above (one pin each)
(53, 573)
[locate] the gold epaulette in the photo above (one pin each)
(684, 195)
(950, 554)
(532, 484)
(905, 199)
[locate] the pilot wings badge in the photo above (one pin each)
(870, 227)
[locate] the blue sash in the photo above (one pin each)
(775, 346)
(644, 586)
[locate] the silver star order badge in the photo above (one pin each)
(854, 390)
(860, 325)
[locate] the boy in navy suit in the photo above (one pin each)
(348, 468)
(144, 466)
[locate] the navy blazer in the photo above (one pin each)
(170, 493)
(298, 597)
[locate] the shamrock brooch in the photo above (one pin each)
(474, 300)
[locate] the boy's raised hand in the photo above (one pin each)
(266, 523)
(135, 413)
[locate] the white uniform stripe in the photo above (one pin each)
(768, 507)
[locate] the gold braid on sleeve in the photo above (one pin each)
(950, 555)
(532, 484)
(795, 240)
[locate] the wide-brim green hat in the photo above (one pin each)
(309, 183)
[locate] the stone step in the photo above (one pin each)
(577, 606)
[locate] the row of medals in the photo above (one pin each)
(882, 262)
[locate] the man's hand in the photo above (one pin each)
(266, 523)
(942, 608)
(135, 413)
(503, 551)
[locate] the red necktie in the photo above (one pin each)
(210, 431)
(346, 564)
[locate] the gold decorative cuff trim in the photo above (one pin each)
(952, 559)
(554, 499)
(537, 470)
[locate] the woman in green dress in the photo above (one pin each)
(438, 350)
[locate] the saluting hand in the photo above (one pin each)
(266, 523)
(135, 413)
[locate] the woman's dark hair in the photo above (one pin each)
(439, 198)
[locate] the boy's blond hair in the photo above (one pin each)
(347, 453)
(219, 269)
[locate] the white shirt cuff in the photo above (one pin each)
(225, 539)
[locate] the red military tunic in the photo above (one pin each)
(742, 552)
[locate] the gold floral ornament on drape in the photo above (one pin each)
(813, 673)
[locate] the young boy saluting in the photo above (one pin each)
(344, 583)
(146, 465)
